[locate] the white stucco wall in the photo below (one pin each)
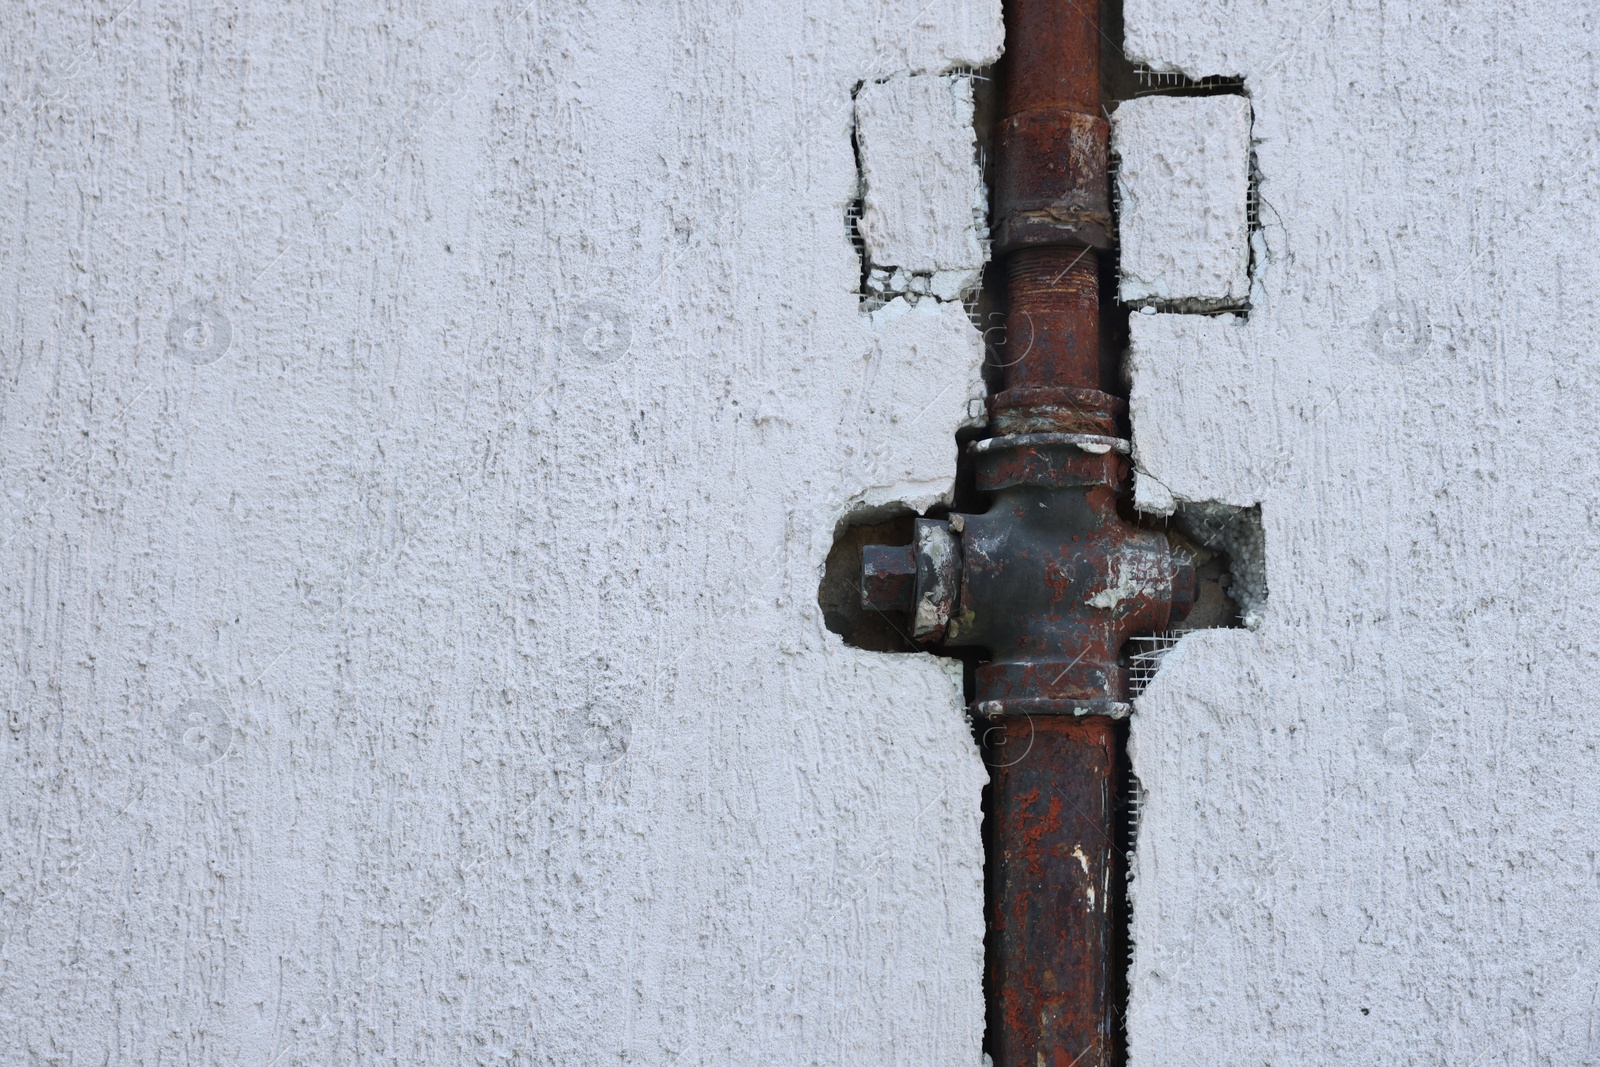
(1182, 183)
(1368, 830)
(432, 672)
(417, 658)
(918, 150)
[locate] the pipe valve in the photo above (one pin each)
(1051, 580)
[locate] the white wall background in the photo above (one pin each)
(485, 556)
(1369, 834)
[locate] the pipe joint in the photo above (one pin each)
(1050, 580)
(1051, 181)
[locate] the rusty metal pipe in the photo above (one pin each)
(1052, 55)
(1053, 318)
(1056, 877)
(1052, 142)
(1050, 581)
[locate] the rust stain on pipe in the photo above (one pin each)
(1052, 182)
(1056, 873)
(1052, 318)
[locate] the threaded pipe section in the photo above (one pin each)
(1052, 318)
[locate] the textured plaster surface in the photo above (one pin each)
(411, 652)
(1169, 356)
(919, 170)
(1183, 180)
(1368, 831)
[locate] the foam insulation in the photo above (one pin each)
(1183, 180)
(1367, 829)
(433, 672)
(921, 183)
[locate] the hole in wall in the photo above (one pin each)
(985, 108)
(1225, 544)
(1233, 542)
(858, 203)
(839, 595)
(1148, 81)
(1211, 535)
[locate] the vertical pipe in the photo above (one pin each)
(1052, 192)
(1052, 55)
(1027, 579)
(1054, 881)
(1053, 317)
(1052, 807)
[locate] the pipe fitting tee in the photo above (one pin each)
(1051, 580)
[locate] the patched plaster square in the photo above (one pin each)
(1184, 184)
(924, 201)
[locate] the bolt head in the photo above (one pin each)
(888, 578)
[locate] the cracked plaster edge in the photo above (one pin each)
(884, 502)
(1236, 304)
(1140, 49)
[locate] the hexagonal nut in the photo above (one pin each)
(888, 578)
